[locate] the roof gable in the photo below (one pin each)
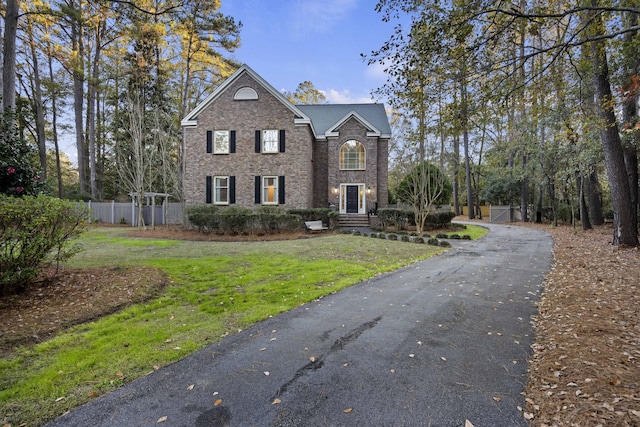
(191, 119)
(328, 118)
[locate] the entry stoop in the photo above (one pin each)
(353, 221)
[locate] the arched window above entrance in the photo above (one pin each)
(352, 155)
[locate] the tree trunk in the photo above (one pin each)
(584, 211)
(630, 118)
(54, 124)
(524, 190)
(624, 232)
(594, 195)
(39, 110)
(465, 142)
(91, 110)
(78, 101)
(456, 170)
(524, 183)
(9, 55)
(554, 202)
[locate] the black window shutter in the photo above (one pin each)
(282, 134)
(257, 189)
(232, 190)
(232, 141)
(281, 190)
(208, 190)
(258, 141)
(209, 141)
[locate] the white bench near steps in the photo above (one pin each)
(315, 226)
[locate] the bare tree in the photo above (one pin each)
(133, 160)
(423, 188)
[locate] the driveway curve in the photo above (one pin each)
(436, 343)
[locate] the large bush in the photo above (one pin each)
(272, 219)
(238, 220)
(235, 219)
(35, 231)
(204, 217)
(20, 173)
(425, 185)
(399, 218)
(390, 217)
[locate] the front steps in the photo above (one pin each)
(353, 221)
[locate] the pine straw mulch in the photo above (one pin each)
(71, 297)
(585, 369)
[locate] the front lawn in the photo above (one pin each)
(215, 289)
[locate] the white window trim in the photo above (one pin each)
(264, 191)
(264, 140)
(215, 138)
(362, 163)
(215, 190)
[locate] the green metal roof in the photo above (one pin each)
(326, 117)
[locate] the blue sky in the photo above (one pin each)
(291, 41)
(288, 42)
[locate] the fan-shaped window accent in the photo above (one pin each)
(245, 94)
(352, 155)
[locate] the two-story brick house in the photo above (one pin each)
(247, 145)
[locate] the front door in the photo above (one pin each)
(352, 199)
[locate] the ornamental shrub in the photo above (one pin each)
(272, 219)
(390, 217)
(20, 173)
(440, 218)
(204, 217)
(235, 219)
(34, 232)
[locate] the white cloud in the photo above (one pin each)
(318, 16)
(345, 97)
(376, 72)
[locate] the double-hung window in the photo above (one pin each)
(270, 190)
(221, 190)
(270, 141)
(221, 142)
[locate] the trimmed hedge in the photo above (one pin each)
(239, 220)
(204, 217)
(400, 218)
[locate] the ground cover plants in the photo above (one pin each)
(209, 289)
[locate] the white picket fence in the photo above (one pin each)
(127, 213)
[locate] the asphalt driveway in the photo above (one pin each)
(436, 343)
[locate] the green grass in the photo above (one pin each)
(216, 288)
(473, 231)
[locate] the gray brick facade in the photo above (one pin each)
(309, 163)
